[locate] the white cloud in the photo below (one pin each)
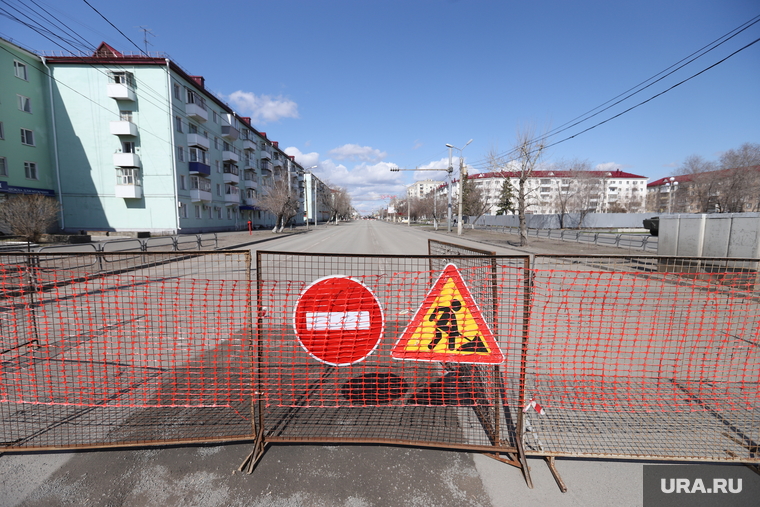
(305, 159)
(608, 166)
(356, 152)
(263, 108)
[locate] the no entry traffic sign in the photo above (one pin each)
(338, 320)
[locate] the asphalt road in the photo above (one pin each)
(312, 475)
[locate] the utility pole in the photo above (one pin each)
(462, 177)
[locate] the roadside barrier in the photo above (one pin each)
(630, 357)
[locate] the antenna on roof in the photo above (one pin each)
(146, 31)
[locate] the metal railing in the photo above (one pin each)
(643, 242)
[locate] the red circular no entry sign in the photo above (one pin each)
(338, 320)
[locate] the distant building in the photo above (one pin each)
(734, 190)
(420, 189)
(549, 192)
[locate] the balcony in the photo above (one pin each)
(129, 191)
(265, 153)
(126, 160)
(248, 144)
(121, 91)
(198, 195)
(230, 133)
(196, 112)
(231, 176)
(199, 168)
(230, 156)
(266, 166)
(123, 128)
(198, 140)
(249, 181)
(249, 201)
(231, 196)
(277, 162)
(249, 163)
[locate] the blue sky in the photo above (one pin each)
(356, 87)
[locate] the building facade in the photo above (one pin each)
(553, 192)
(420, 189)
(26, 153)
(732, 190)
(144, 146)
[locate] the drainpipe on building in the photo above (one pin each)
(55, 140)
(171, 130)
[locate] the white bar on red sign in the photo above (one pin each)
(337, 321)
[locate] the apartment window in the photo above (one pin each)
(215, 116)
(216, 143)
(197, 211)
(198, 155)
(30, 170)
(198, 183)
(2, 131)
(208, 208)
(177, 91)
(27, 137)
(125, 116)
(182, 182)
(180, 153)
(127, 176)
(24, 104)
(128, 147)
(126, 78)
(20, 70)
(218, 167)
(194, 98)
(182, 210)
(218, 212)
(229, 214)
(192, 128)
(218, 189)
(3, 167)
(178, 123)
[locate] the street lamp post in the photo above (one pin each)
(673, 185)
(462, 176)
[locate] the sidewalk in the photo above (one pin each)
(539, 246)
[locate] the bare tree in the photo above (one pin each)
(702, 188)
(338, 202)
(474, 201)
(587, 191)
(282, 201)
(570, 179)
(29, 216)
(739, 178)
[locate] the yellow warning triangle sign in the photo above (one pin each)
(448, 326)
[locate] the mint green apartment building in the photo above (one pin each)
(26, 154)
(141, 145)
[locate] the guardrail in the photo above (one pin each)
(156, 244)
(643, 242)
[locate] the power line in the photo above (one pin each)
(729, 35)
(115, 27)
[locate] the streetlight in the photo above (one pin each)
(462, 176)
(672, 186)
(313, 186)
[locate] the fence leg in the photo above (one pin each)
(555, 473)
(259, 447)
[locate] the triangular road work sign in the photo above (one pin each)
(448, 327)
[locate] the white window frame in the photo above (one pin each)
(24, 104)
(30, 171)
(20, 68)
(177, 91)
(197, 211)
(3, 167)
(125, 115)
(182, 210)
(182, 182)
(128, 176)
(180, 153)
(26, 136)
(128, 147)
(178, 124)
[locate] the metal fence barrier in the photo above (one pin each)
(634, 357)
(643, 242)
